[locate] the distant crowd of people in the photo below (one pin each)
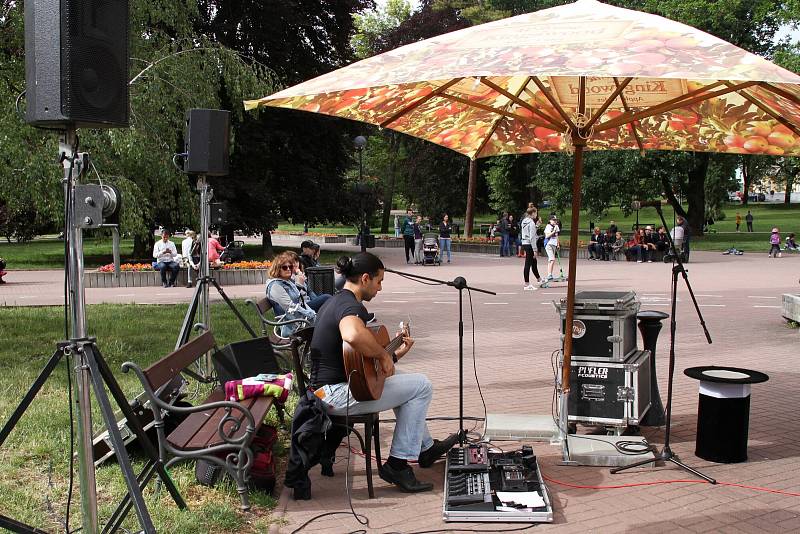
(645, 245)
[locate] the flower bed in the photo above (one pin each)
(143, 275)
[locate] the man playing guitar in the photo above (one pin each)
(341, 319)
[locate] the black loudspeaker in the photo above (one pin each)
(219, 213)
(207, 141)
(321, 280)
(76, 63)
(243, 359)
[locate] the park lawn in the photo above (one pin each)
(34, 478)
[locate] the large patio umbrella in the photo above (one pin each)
(582, 76)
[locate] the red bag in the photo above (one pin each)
(262, 470)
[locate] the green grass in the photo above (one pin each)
(34, 474)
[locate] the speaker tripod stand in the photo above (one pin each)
(666, 454)
(91, 372)
(200, 297)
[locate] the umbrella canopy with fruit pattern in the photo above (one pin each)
(582, 76)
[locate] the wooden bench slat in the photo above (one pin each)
(189, 427)
(166, 368)
(199, 430)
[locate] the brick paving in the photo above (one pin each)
(515, 333)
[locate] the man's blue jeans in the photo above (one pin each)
(173, 267)
(409, 395)
(503, 244)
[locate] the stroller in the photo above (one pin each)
(234, 252)
(430, 249)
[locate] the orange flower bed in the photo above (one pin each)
(247, 265)
(109, 268)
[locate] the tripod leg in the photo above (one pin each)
(695, 472)
(136, 425)
(637, 464)
(232, 307)
(116, 519)
(116, 439)
(188, 320)
(32, 392)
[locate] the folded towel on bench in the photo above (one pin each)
(263, 385)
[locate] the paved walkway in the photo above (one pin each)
(515, 332)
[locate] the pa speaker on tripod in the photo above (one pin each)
(207, 142)
(76, 63)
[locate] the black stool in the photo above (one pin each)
(723, 413)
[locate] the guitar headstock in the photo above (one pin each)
(405, 328)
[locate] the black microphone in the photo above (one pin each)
(639, 204)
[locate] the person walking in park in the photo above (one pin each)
(397, 226)
(418, 240)
(551, 232)
(774, 244)
(502, 227)
(408, 234)
(190, 251)
(444, 236)
(513, 232)
(528, 238)
(687, 234)
(738, 220)
(749, 220)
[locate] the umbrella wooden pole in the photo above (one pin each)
(573, 257)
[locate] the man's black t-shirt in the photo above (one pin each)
(327, 366)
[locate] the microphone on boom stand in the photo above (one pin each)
(460, 284)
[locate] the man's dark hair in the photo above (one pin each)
(362, 263)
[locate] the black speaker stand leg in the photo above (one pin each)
(188, 320)
(666, 455)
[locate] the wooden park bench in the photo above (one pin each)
(210, 429)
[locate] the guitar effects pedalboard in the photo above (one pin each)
(482, 484)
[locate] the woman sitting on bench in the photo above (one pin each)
(285, 296)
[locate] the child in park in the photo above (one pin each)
(791, 244)
(775, 244)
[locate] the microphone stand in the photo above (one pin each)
(666, 455)
(461, 284)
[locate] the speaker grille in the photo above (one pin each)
(94, 61)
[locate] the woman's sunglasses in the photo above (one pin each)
(286, 267)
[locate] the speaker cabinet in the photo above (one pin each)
(207, 141)
(76, 63)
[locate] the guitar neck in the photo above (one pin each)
(394, 344)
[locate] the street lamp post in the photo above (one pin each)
(359, 143)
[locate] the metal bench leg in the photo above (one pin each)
(239, 476)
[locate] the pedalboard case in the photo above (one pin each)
(610, 393)
(482, 485)
(604, 325)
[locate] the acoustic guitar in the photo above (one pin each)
(366, 383)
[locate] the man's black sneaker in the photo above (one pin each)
(437, 450)
(370, 317)
(403, 479)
